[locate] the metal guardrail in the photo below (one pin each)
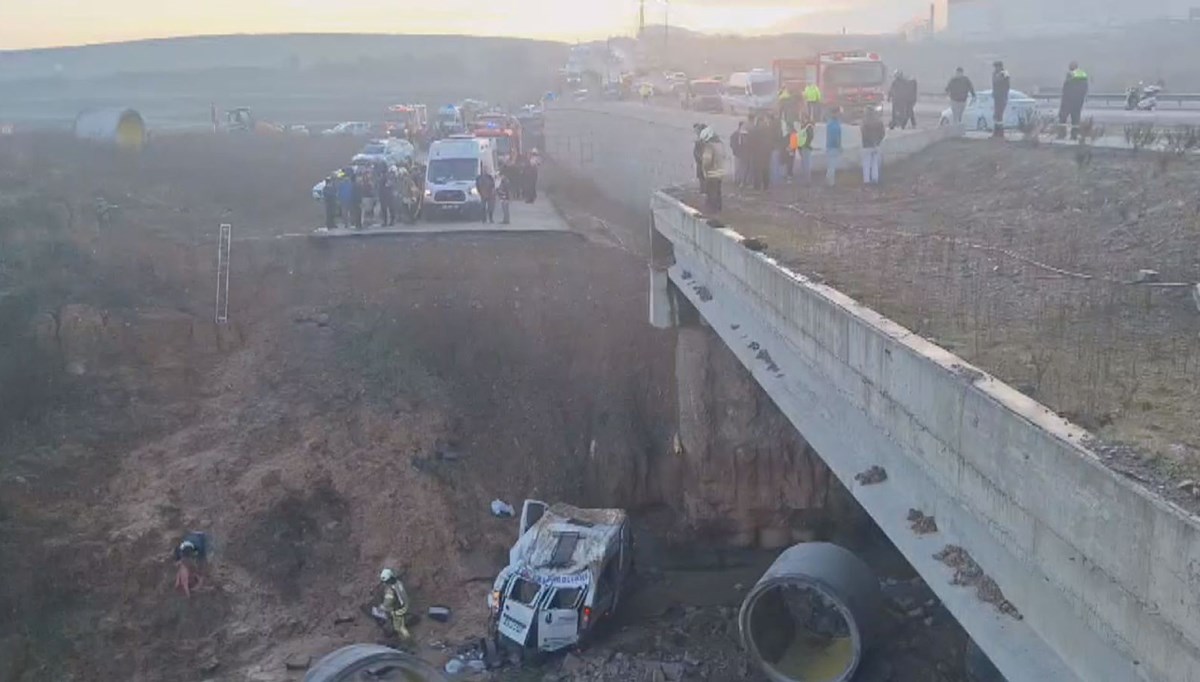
(1119, 97)
(1179, 98)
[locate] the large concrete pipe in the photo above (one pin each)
(373, 662)
(812, 615)
(123, 128)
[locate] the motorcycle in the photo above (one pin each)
(1142, 97)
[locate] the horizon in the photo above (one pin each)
(63, 24)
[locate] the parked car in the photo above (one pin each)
(392, 151)
(979, 113)
(351, 128)
(748, 92)
(566, 573)
(703, 95)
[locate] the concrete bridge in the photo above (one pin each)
(1100, 579)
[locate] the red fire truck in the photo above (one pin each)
(505, 132)
(850, 79)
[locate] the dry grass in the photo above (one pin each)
(1021, 260)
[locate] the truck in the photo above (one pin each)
(504, 131)
(453, 165)
(854, 80)
(565, 574)
(406, 120)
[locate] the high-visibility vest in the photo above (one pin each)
(794, 141)
(812, 93)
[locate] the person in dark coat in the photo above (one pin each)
(385, 195)
(1075, 90)
(762, 143)
(959, 89)
(737, 145)
(698, 152)
(1001, 85)
(485, 184)
(329, 196)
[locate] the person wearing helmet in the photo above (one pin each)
(395, 602)
(191, 558)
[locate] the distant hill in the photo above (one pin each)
(291, 51)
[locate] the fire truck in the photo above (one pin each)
(505, 133)
(851, 79)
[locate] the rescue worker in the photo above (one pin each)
(485, 184)
(792, 144)
(395, 602)
(1001, 84)
(958, 89)
(329, 195)
(807, 135)
(356, 200)
(713, 164)
(503, 194)
(407, 190)
(812, 99)
(788, 111)
(191, 560)
(1075, 89)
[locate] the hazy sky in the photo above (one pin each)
(44, 23)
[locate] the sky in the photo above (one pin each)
(52, 23)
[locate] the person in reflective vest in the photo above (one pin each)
(812, 98)
(395, 602)
(1075, 89)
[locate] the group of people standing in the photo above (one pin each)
(352, 192)
(518, 180)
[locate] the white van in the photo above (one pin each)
(747, 92)
(454, 164)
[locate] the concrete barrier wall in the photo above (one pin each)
(631, 150)
(1105, 575)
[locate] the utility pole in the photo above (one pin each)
(641, 19)
(667, 34)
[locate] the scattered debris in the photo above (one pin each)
(968, 573)
(686, 275)
(1147, 276)
(969, 373)
(297, 662)
(502, 509)
(755, 243)
(921, 524)
(704, 294)
(343, 618)
(439, 613)
(876, 474)
(766, 358)
(1189, 486)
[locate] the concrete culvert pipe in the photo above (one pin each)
(122, 128)
(372, 662)
(812, 615)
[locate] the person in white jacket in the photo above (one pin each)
(713, 163)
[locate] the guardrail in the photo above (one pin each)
(1119, 97)
(1108, 98)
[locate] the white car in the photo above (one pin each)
(351, 128)
(979, 112)
(392, 151)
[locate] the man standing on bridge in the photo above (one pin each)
(1074, 92)
(959, 88)
(1001, 84)
(737, 145)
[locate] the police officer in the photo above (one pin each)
(1075, 89)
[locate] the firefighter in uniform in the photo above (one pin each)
(395, 602)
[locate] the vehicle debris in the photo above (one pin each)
(872, 476)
